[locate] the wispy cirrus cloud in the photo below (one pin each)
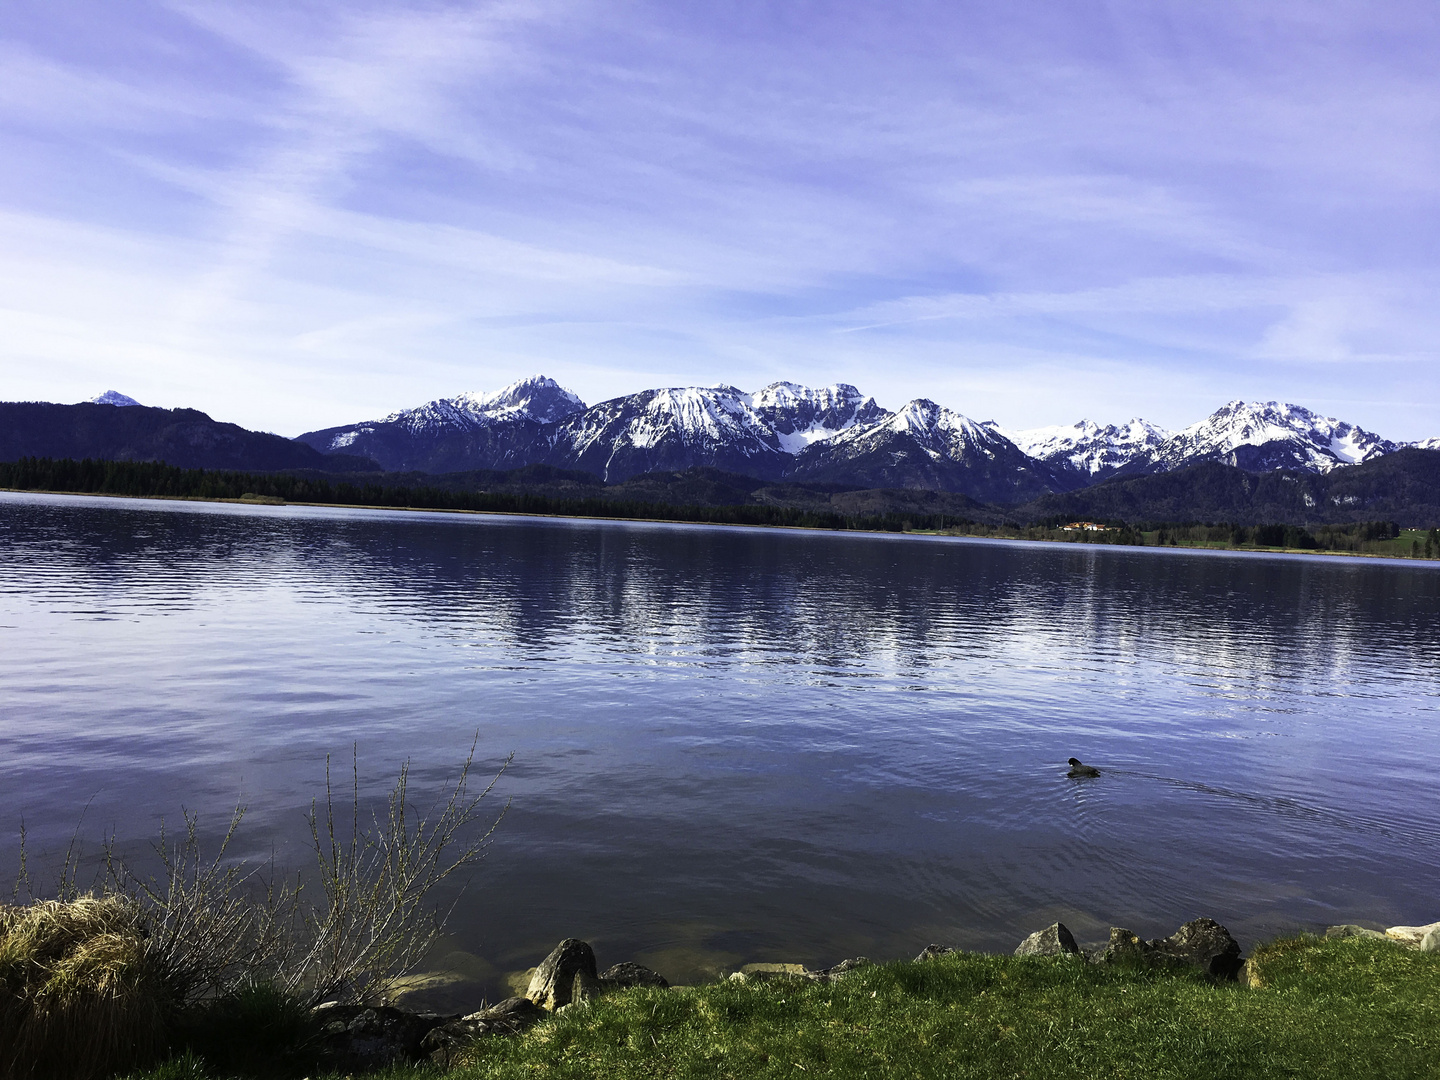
(301, 213)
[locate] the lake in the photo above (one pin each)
(734, 744)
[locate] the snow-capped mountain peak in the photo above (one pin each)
(1269, 435)
(698, 413)
(941, 433)
(1090, 448)
(721, 424)
(800, 415)
(113, 397)
(537, 398)
(831, 434)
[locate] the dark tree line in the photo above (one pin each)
(151, 478)
(154, 478)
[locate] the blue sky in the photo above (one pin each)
(299, 214)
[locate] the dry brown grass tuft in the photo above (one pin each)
(80, 994)
(95, 984)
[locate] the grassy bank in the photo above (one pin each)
(1342, 1008)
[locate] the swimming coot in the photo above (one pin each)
(1078, 768)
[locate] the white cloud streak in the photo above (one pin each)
(299, 214)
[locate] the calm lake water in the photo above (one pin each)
(741, 744)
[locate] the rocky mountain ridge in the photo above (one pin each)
(834, 434)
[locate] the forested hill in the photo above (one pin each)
(186, 438)
(1402, 487)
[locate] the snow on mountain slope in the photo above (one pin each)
(1425, 444)
(718, 426)
(672, 428)
(113, 397)
(800, 416)
(537, 398)
(695, 415)
(925, 446)
(940, 433)
(1089, 448)
(832, 434)
(470, 431)
(1271, 434)
(410, 437)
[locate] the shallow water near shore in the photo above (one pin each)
(739, 745)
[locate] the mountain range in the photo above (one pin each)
(831, 438)
(833, 434)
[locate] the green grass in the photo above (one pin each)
(1349, 1008)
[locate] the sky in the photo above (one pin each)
(300, 214)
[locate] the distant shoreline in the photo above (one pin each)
(933, 533)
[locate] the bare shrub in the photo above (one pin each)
(91, 982)
(373, 923)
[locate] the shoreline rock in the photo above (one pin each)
(1054, 940)
(1346, 930)
(1413, 936)
(1201, 943)
(764, 972)
(445, 1044)
(372, 1036)
(365, 1037)
(570, 966)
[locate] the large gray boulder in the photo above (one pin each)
(1431, 941)
(552, 985)
(1054, 940)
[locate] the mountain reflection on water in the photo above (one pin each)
(741, 744)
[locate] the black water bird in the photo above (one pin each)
(1079, 768)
